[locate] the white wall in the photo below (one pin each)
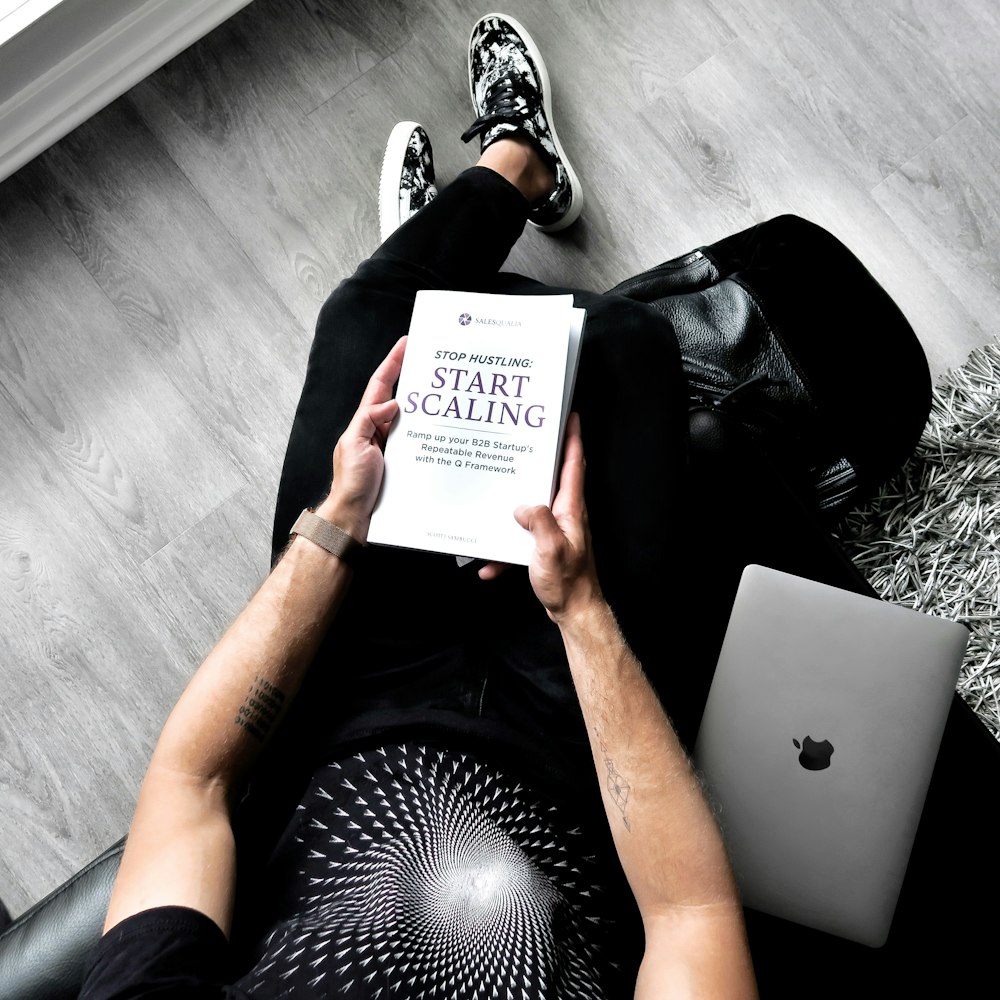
(16, 15)
(81, 56)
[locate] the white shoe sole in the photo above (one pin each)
(576, 206)
(392, 170)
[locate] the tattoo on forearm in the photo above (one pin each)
(618, 787)
(260, 709)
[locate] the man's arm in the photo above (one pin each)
(180, 848)
(669, 845)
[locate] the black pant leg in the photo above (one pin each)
(459, 240)
(464, 235)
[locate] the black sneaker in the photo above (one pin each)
(511, 93)
(407, 182)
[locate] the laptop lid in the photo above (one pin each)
(817, 745)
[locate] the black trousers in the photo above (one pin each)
(679, 504)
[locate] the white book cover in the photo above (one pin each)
(483, 394)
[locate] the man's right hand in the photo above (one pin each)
(561, 570)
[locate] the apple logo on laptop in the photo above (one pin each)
(815, 755)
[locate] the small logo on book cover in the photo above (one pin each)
(465, 319)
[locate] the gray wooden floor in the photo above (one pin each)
(161, 269)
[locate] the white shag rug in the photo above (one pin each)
(931, 539)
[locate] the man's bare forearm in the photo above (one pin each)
(667, 839)
(242, 690)
(669, 846)
(246, 684)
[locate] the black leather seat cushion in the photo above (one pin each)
(44, 953)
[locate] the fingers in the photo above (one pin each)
(543, 527)
(573, 430)
(383, 414)
(569, 497)
(384, 377)
(492, 570)
(372, 420)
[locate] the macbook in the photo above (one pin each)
(817, 745)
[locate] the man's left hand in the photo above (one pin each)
(358, 464)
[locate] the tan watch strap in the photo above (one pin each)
(327, 536)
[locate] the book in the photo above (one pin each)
(484, 395)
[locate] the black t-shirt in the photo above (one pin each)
(409, 871)
(169, 951)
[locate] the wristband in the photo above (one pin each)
(327, 536)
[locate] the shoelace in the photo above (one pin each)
(499, 106)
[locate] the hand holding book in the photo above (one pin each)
(358, 462)
(561, 570)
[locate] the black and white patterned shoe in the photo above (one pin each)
(407, 181)
(511, 93)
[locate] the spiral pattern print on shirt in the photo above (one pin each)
(430, 875)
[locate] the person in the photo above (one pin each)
(457, 782)
(442, 781)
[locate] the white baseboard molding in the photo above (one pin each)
(81, 56)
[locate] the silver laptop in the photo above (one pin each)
(817, 744)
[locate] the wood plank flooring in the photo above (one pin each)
(162, 266)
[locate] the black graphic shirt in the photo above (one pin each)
(416, 872)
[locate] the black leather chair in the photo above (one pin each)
(44, 953)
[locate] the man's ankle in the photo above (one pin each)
(516, 159)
